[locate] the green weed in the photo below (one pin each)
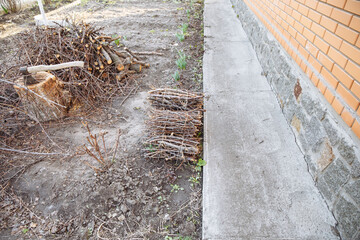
(181, 61)
(176, 188)
(200, 164)
(176, 76)
(180, 36)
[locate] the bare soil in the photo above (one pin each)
(61, 196)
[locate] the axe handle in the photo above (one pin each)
(40, 68)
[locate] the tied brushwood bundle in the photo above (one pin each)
(175, 125)
(106, 72)
(175, 99)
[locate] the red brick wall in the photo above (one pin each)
(323, 39)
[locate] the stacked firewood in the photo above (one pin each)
(107, 68)
(174, 125)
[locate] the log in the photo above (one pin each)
(106, 56)
(136, 67)
(117, 61)
(50, 101)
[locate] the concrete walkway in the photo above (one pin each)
(256, 181)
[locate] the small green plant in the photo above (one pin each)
(200, 164)
(25, 230)
(181, 61)
(188, 14)
(117, 39)
(184, 28)
(177, 238)
(176, 188)
(5, 9)
(176, 76)
(180, 36)
(152, 31)
(195, 180)
(151, 148)
(160, 198)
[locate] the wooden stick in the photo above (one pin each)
(106, 56)
(40, 68)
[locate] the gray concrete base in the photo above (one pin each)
(256, 181)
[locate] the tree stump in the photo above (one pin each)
(46, 100)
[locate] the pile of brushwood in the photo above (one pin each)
(106, 72)
(109, 70)
(175, 125)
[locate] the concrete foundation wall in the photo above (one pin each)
(330, 147)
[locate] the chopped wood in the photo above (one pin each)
(106, 55)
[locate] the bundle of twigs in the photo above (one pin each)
(174, 130)
(179, 123)
(175, 99)
(106, 69)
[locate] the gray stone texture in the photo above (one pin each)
(350, 218)
(319, 124)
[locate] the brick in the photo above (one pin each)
(324, 9)
(328, 23)
(304, 10)
(344, 78)
(356, 89)
(303, 66)
(284, 25)
(287, 2)
(294, 4)
(309, 72)
(337, 3)
(321, 87)
(358, 42)
(325, 61)
(353, 69)
(356, 128)
(315, 16)
(347, 117)
(288, 9)
(305, 21)
(299, 27)
(350, 51)
(353, 6)
(281, 5)
(296, 15)
(283, 15)
(321, 44)
(292, 31)
(313, 62)
(348, 97)
(329, 78)
(329, 96)
(338, 57)
(317, 29)
(309, 35)
(300, 38)
(347, 33)
(315, 80)
(294, 43)
(338, 107)
(301, 1)
(311, 3)
(332, 39)
(341, 16)
(304, 52)
(298, 60)
(355, 23)
(290, 20)
(287, 35)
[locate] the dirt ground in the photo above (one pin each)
(61, 196)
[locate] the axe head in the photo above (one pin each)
(28, 79)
